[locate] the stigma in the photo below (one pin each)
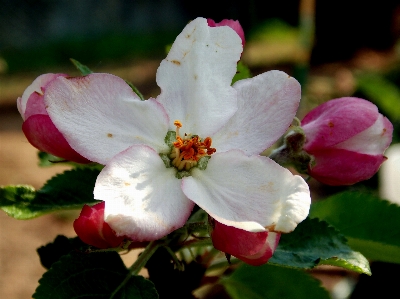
(188, 150)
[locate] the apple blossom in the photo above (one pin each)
(346, 138)
(235, 25)
(252, 248)
(91, 228)
(198, 142)
(38, 127)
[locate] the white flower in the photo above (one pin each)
(105, 121)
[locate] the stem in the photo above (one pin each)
(139, 264)
(144, 257)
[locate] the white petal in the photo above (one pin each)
(267, 105)
(36, 86)
(195, 78)
(100, 116)
(144, 200)
(249, 193)
(372, 141)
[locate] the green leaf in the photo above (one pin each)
(52, 252)
(82, 68)
(69, 190)
(370, 224)
(382, 92)
(95, 275)
(314, 242)
(272, 282)
(243, 72)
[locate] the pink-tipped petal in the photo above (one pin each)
(249, 193)
(42, 134)
(267, 105)
(265, 253)
(38, 86)
(252, 248)
(35, 105)
(100, 116)
(338, 167)
(144, 200)
(346, 138)
(235, 25)
(195, 78)
(336, 121)
(91, 228)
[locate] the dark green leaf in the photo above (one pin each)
(95, 275)
(69, 190)
(82, 68)
(272, 282)
(243, 72)
(52, 252)
(370, 224)
(314, 242)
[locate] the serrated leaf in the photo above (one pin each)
(94, 275)
(82, 68)
(370, 224)
(272, 282)
(52, 252)
(243, 72)
(314, 242)
(69, 190)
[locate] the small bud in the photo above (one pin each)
(235, 25)
(93, 230)
(347, 138)
(252, 248)
(38, 127)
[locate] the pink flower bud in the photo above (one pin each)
(235, 25)
(252, 248)
(91, 228)
(347, 138)
(38, 127)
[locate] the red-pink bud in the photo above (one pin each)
(38, 127)
(347, 138)
(235, 25)
(252, 248)
(93, 230)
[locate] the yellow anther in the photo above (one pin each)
(178, 124)
(189, 149)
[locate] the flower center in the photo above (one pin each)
(187, 150)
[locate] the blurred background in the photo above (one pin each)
(334, 48)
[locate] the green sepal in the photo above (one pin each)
(166, 159)
(69, 190)
(135, 90)
(181, 174)
(82, 68)
(243, 72)
(203, 162)
(46, 159)
(170, 138)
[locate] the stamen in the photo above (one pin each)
(189, 149)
